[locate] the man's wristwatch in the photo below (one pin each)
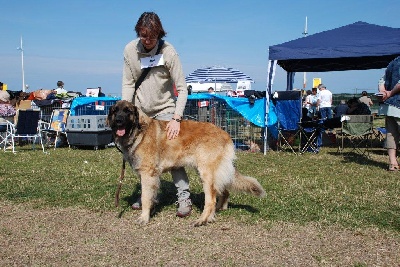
(178, 120)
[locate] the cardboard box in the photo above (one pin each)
(24, 104)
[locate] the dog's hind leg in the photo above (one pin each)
(210, 199)
(150, 185)
(222, 203)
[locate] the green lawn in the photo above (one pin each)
(327, 188)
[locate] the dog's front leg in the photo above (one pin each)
(150, 185)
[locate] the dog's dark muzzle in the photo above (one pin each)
(120, 120)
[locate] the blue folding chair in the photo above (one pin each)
(288, 107)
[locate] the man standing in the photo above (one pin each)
(389, 86)
(365, 99)
(324, 102)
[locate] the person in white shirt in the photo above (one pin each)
(324, 102)
(60, 88)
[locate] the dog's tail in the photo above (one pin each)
(247, 184)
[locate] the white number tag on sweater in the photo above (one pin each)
(149, 62)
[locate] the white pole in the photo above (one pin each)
(22, 65)
(304, 77)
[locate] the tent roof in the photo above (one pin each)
(357, 46)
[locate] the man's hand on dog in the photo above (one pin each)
(173, 128)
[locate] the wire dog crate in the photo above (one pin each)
(245, 135)
(97, 107)
(45, 111)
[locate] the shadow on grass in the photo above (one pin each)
(167, 197)
(355, 157)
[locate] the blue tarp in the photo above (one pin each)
(254, 113)
(87, 105)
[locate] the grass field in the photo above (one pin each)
(327, 189)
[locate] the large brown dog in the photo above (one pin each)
(145, 146)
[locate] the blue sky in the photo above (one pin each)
(81, 41)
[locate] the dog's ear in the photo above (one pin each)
(110, 113)
(136, 122)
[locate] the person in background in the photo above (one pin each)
(306, 102)
(341, 109)
(211, 90)
(60, 88)
(324, 102)
(389, 86)
(312, 101)
(101, 94)
(357, 108)
(155, 96)
(366, 99)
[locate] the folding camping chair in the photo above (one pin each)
(358, 131)
(55, 129)
(5, 131)
(310, 135)
(26, 126)
(288, 106)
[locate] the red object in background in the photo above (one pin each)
(31, 96)
(175, 91)
(202, 104)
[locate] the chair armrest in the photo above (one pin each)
(44, 125)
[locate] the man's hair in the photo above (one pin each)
(152, 22)
(364, 93)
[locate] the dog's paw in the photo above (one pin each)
(142, 221)
(201, 222)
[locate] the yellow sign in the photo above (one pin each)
(316, 82)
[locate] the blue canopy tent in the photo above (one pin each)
(357, 46)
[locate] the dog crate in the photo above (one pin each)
(218, 111)
(87, 123)
(92, 105)
(88, 130)
(89, 139)
(47, 110)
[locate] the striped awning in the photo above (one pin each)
(218, 75)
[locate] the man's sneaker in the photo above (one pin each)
(184, 207)
(138, 204)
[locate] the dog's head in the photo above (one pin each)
(123, 118)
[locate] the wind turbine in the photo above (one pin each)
(305, 33)
(20, 48)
